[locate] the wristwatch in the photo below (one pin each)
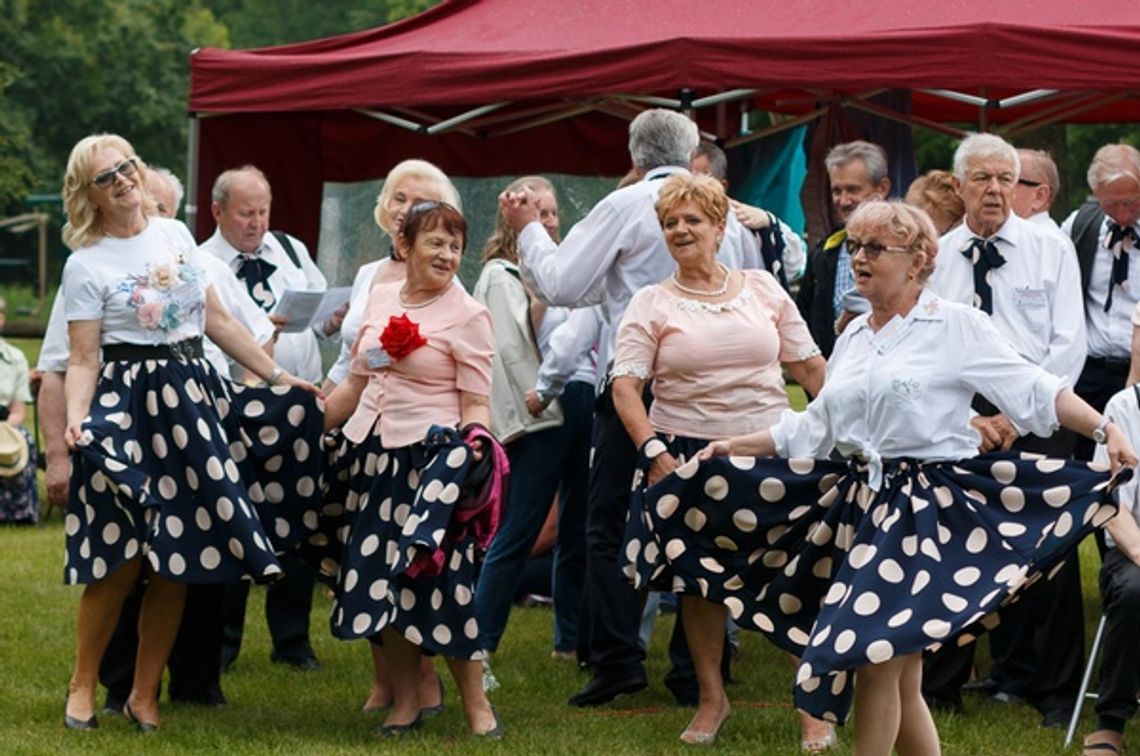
(1100, 433)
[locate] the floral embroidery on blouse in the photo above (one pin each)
(693, 305)
(166, 296)
(632, 370)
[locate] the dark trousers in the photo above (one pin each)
(1120, 657)
(1100, 379)
(614, 607)
(195, 660)
(288, 604)
(1038, 648)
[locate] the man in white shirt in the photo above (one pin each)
(1106, 232)
(262, 259)
(269, 264)
(611, 253)
(1023, 276)
(1036, 188)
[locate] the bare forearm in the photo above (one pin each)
(238, 343)
(1126, 533)
(759, 444)
(341, 403)
(52, 415)
(1076, 414)
(17, 411)
(79, 388)
(627, 402)
(809, 373)
(474, 408)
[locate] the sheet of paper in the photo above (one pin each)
(303, 308)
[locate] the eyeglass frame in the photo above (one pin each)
(873, 250)
(106, 179)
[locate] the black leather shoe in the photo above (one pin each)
(211, 697)
(307, 663)
(986, 686)
(1056, 719)
(143, 726)
(601, 690)
(72, 723)
(396, 730)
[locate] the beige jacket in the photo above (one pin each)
(516, 364)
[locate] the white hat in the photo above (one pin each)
(13, 451)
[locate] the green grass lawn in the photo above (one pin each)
(274, 710)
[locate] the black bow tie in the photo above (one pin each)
(256, 271)
(984, 256)
(1117, 236)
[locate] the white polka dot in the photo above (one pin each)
(225, 509)
(861, 555)
(977, 540)
(71, 524)
(1003, 471)
(820, 533)
(177, 564)
(210, 558)
(891, 571)
(909, 545)
(450, 493)
(109, 399)
(763, 622)
(169, 396)
(281, 527)
(131, 549)
(801, 466)
(98, 568)
(1011, 529)
(666, 506)
(361, 623)
(274, 492)
(867, 604)
(632, 549)
(695, 519)
(943, 496)
(967, 576)
(790, 604)
(716, 487)
(152, 403)
(1058, 496)
(378, 590)
(735, 607)
(775, 558)
(772, 489)
(1050, 465)
(674, 549)
(306, 486)
(900, 619)
(254, 408)
(296, 415)
(954, 602)
(1064, 525)
(350, 579)
(369, 545)
(214, 468)
(462, 595)
(268, 435)
(441, 634)
(192, 391)
(236, 548)
(797, 636)
(231, 471)
(921, 580)
(844, 641)
(936, 628)
(835, 593)
(457, 457)
(471, 629)
(930, 548)
(407, 599)
(174, 526)
(880, 651)
(180, 437)
(744, 520)
(238, 451)
(725, 543)
(742, 463)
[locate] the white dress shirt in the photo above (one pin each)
(570, 351)
(906, 390)
(297, 353)
(1109, 333)
(1038, 304)
(1123, 410)
(615, 250)
(235, 297)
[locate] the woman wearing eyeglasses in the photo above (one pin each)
(167, 457)
(859, 565)
(714, 343)
(420, 370)
(409, 182)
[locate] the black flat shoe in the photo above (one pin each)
(143, 726)
(396, 730)
(496, 732)
(428, 712)
(601, 690)
(72, 723)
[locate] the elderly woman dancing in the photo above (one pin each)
(421, 367)
(712, 341)
(168, 458)
(861, 564)
(409, 182)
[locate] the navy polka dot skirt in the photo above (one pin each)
(205, 478)
(843, 576)
(384, 509)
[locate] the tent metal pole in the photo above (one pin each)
(1094, 101)
(1048, 114)
(1027, 97)
(518, 115)
(659, 102)
(533, 123)
(191, 207)
(950, 94)
(451, 123)
(907, 118)
(403, 123)
(776, 128)
(729, 96)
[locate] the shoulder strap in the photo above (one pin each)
(283, 238)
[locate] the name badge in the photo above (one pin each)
(1034, 299)
(377, 358)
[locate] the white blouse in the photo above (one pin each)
(906, 390)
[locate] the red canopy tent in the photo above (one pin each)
(495, 87)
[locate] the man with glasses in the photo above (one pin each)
(1036, 188)
(1021, 275)
(1106, 232)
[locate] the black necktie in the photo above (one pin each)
(1117, 236)
(256, 271)
(985, 257)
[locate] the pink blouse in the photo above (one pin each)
(422, 389)
(715, 367)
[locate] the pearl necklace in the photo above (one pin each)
(698, 292)
(420, 305)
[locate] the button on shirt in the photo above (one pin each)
(297, 353)
(905, 391)
(615, 250)
(1109, 333)
(1037, 300)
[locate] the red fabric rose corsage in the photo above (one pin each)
(401, 337)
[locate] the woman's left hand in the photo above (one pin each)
(1120, 452)
(288, 379)
(663, 464)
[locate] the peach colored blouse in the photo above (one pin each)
(422, 389)
(715, 367)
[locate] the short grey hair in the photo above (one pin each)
(873, 156)
(660, 137)
(222, 185)
(984, 147)
(1114, 161)
(718, 161)
(1043, 162)
(175, 184)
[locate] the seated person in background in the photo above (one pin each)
(19, 498)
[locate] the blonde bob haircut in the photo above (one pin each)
(895, 222)
(703, 191)
(934, 190)
(413, 169)
(503, 243)
(84, 227)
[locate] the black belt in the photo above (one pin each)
(1111, 364)
(179, 350)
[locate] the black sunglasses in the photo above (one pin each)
(127, 168)
(872, 250)
(1027, 182)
